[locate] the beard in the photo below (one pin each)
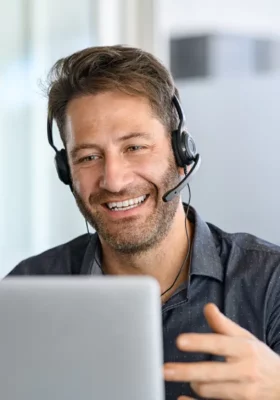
(131, 235)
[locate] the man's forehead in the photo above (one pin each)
(108, 99)
(126, 114)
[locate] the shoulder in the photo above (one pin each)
(245, 241)
(64, 259)
(245, 255)
(252, 283)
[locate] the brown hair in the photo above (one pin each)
(105, 68)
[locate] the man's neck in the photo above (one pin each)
(162, 262)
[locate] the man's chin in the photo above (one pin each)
(134, 233)
(128, 245)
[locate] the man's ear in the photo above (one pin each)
(182, 171)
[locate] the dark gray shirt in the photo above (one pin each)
(238, 272)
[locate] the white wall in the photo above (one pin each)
(14, 211)
(251, 17)
(256, 16)
(34, 33)
(235, 123)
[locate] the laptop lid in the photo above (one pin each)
(89, 338)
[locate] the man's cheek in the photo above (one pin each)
(82, 185)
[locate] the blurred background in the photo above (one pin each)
(225, 57)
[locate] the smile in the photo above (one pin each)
(126, 204)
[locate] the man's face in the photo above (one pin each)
(121, 163)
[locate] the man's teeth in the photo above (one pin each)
(127, 204)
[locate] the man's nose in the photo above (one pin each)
(116, 174)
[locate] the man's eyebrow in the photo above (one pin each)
(91, 146)
(82, 146)
(134, 135)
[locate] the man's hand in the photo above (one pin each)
(251, 370)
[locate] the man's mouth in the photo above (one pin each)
(126, 204)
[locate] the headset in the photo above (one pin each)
(183, 145)
(185, 152)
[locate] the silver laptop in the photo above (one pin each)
(86, 338)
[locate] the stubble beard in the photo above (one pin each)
(130, 236)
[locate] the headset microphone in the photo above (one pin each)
(168, 196)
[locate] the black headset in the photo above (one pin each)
(185, 152)
(183, 145)
(60, 158)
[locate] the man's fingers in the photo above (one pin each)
(221, 324)
(213, 343)
(221, 390)
(201, 372)
(185, 398)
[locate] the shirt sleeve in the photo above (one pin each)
(273, 326)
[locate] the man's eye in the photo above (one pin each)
(135, 148)
(92, 157)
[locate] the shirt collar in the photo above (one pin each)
(205, 258)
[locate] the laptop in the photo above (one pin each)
(86, 338)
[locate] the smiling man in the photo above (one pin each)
(122, 168)
(121, 123)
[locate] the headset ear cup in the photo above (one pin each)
(62, 167)
(184, 148)
(188, 148)
(183, 144)
(176, 148)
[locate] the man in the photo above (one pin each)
(120, 120)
